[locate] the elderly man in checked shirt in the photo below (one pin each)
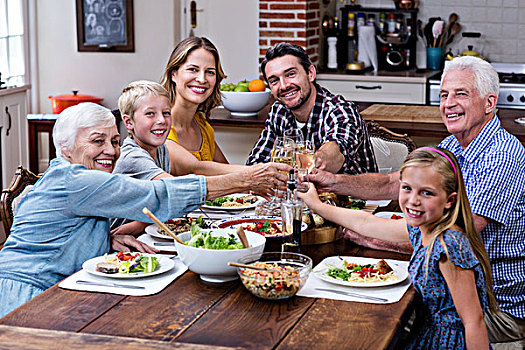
(493, 166)
(333, 124)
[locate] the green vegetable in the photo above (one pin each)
(217, 202)
(146, 264)
(206, 240)
(141, 263)
(202, 223)
(357, 204)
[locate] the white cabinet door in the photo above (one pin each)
(377, 91)
(233, 27)
(13, 134)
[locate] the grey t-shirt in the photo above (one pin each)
(136, 162)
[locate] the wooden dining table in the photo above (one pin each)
(191, 311)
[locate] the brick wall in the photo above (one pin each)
(293, 21)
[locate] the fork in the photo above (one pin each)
(351, 294)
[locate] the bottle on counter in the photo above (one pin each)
(382, 23)
(371, 21)
(399, 24)
(360, 19)
(391, 24)
(351, 24)
(332, 52)
(408, 27)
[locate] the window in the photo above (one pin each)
(12, 42)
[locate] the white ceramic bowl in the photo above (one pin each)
(245, 104)
(212, 264)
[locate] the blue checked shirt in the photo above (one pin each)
(333, 119)
(493, 167)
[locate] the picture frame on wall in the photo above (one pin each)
(105, 26)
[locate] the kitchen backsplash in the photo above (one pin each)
(501, 22)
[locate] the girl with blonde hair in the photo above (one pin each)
(449, 267)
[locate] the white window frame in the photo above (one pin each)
(25, 42)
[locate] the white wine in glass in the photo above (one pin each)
(304, 163)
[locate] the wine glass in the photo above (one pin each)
(293, 137)
(273, 206)
(304, 163)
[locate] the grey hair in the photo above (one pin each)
(486, 79)
(83, 115)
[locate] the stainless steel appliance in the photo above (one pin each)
(512, 86)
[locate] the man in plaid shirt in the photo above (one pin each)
(333, 124)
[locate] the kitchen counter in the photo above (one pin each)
(12, 90)
(221, 117)
(405, 76)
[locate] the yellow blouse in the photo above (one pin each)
(207, 150)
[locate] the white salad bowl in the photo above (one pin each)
(245, 104)
(212, 264)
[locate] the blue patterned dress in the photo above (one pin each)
(438, 325)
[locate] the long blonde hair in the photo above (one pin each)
(178, 57)
(459, 214)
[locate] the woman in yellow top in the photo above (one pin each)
(192, 77)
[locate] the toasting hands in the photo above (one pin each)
(263, 179)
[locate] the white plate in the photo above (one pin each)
(388, 214)
(152, 230)
(234, 221)
(321, 270)
(520, 120)
(238, 195)
(165, 264)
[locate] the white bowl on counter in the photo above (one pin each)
(245, 104)
(212, 264)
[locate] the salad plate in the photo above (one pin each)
(152, 230)
(390, 215)
(165, 264)
(321, 270)
(250, 222)
(236, 196)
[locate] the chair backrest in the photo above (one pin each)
(389, 147)
(22, 181)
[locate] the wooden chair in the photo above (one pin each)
(10, 197)
(389, 147)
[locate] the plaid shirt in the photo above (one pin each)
(333, 119)
(493, 167)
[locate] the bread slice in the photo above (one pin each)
(108, 268)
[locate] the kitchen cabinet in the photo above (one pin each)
(13, 132)
(407, 87)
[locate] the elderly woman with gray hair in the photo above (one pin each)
(64, 220)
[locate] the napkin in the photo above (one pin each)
(167, 244)
(380, 203)
(367, 46)
(152, 284)
(392, 293)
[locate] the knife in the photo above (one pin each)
(350, 294)
(164, 244)
(114, 285)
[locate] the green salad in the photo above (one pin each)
(218, 202)
(207, 241)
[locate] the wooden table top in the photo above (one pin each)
(192, 311)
